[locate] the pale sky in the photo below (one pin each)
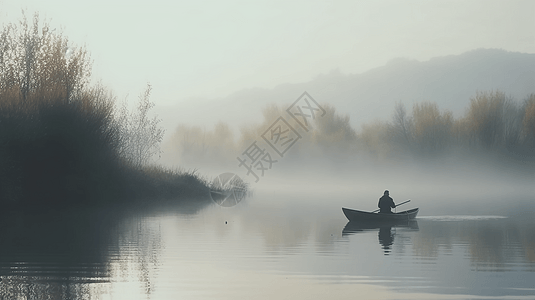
(213, 48)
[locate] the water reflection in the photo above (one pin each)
(386, 238)
(386, 231)
(74, 253)
(52, 253)
(279, 250)
(491, 243)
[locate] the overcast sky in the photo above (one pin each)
(213, 48)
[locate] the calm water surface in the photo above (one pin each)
(265, 249)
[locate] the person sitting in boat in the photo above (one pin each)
(385, 203)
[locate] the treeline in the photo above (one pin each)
(65, 141)
(493, 123)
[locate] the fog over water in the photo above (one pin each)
(437, 189)
(335, 165)
(278, 243)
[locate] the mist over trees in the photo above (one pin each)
(492, 124)
(449, 81)
(195, 144)
(64, 139)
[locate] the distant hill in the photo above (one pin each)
(449, 81)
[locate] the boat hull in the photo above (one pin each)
(364, 216)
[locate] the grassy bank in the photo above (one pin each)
(56, 152)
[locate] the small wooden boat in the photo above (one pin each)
(364, 216)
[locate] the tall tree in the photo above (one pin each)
(493, 121)
(431, 129)
(38, 61)
(401, 128)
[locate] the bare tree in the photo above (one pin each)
(512, 125)
(528, 122)
(401, 125)
(141, 135)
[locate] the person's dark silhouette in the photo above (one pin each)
(385, 203)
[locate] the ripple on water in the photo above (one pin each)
(460, 218)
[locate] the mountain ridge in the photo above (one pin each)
(449, 81)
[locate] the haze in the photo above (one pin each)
(212, 60)
(213, 48)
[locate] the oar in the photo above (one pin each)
(396, 205)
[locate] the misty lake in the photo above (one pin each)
(270, 246)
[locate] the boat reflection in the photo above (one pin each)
(385, 234)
